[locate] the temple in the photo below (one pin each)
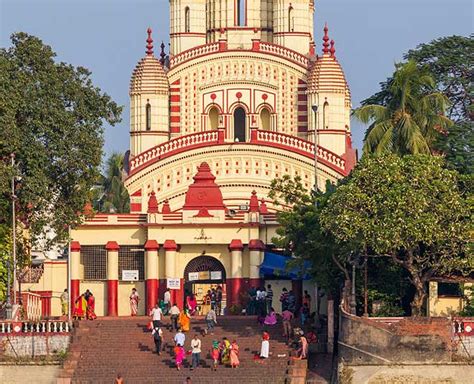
(241, 99)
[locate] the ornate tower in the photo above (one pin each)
(329, 92)
(149, 103)
(187, 24)
(293, 24)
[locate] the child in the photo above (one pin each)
(215, 354)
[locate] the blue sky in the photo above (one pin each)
(108, 37)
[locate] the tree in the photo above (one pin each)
(115, 195)
(408, 209)
(449, 62)
(407, 116)
(52, 119)
(300, 233)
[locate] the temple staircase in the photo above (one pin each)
(105, 347)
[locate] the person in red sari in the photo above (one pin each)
(191, 304)
(90, 313)
(80, 307)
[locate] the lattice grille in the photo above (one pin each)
(132, 257)
(94, 260)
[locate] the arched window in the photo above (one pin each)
(213, 118)
(187, 20)
(239, 125)
(265, 119)
(241, 8)
(290, 20)
(326, 115)
(148, 116)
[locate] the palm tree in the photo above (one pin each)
(407, 116)
(115, 197)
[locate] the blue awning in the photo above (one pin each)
(275, 265)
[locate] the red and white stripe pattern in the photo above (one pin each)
(175, 107)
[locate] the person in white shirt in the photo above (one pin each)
(180, 338)
(156, 316)
(167, 299)
(157, 334)
(196, 352)
(174, 312)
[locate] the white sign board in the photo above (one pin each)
(216, 275)
(193, 276)
(173, 283)
(129, 275)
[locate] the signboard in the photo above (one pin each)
(129, 275)
(204, 275)
(216, 275)
(193, 276)
(173, 283)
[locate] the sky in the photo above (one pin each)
(108, 38)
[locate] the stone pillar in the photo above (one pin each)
(171, 248)
(112, 278)
(151, 269)
(256, 247)
(75, 261)
(235, 280)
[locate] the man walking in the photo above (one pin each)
(157, 334)
(167, 300)
(196, 352)
(156, 316)
(287, 316)
(174, 312)
(180, 338)
(211, 320)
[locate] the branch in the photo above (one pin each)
(344, 270)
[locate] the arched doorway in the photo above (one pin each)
(239, 124)
(213, 118)
(265, 119)
(202, 274)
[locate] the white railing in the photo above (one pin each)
(193, 53)
(50, 326)
(32, 305)
(177, 144)
(284, 52)
(301, 145)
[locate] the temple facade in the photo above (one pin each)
(242, 98)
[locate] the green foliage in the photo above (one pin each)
(5, 256)
(448, 61)
(390, 304)
(115, 196)
(52, 119)
(409, 115)
(468, 297)
(301, 235)
(409, 209)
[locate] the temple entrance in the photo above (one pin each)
(239, 125)
(202, 274)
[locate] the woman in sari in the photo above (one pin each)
(90, 313)
(225, 351)
(80, 307)
(179, 355)
(234, 355)
(134, 300)
(215, 354)
(184, 320)
(191, 304)
(271, 318)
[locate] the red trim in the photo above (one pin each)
(74, 294)
(174, 130)
(112, 297)
(135, 207)
(75, 246)
(236, 245)
(177, 295)
(151, 294)
(112, 246)
(175, 98)
(170, 245)
(256, 245)
(137, 193)
(175, 119)
(152, 245)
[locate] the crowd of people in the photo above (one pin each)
(84, 306)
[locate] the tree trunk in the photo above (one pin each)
(419, 299)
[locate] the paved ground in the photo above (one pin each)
(319, 368)
(28, 374)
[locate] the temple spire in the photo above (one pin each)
(149, 41)
(326, 39)
(162, 54)
(332, 50)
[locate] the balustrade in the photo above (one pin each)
(50, 326)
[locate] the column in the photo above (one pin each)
(171, 248)
(112, 278)
(256, 247)
(234, 283)
(75, 261)
(151, 269)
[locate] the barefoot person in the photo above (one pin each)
(234, 355)
(157, 334)
(265, 349)
(215, 354)
(134, 300)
